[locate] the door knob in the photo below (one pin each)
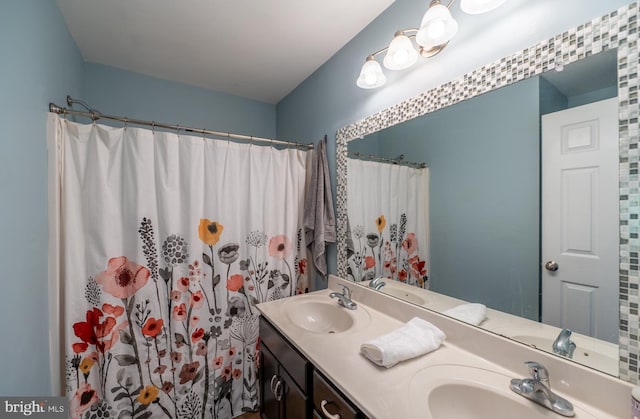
(551, 266)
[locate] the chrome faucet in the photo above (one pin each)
(377, 283)
(538, 389)
(563, 344)
(344, 299)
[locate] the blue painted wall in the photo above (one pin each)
(593, 96)
(551, 99)
(40, 63)
(329, 99)
(123, 93)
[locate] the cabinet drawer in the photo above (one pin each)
(335, 403)
(287, 355)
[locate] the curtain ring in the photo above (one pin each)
(204, 136)
(126, 122)
(178, 130)
(228, 139)
(153, 127)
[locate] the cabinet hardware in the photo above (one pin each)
(278, 391)
(323, 405)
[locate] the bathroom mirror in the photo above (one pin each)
(484, 193)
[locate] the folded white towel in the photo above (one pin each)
(472, 313)
(416, 337)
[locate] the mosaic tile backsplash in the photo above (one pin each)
(618, 29)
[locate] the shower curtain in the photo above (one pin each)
(388, 211)
(165, 244)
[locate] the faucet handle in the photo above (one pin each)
(346, 291)
(563, 344)
(538, 372)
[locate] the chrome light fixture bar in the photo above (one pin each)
(436, 29)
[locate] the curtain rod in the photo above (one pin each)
(400, 160)
(95, 115)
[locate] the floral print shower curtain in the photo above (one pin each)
(169, 242)
(388, 210)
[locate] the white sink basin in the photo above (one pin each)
(403, 294)
(323, 315)
(455, 391)
(588, 356)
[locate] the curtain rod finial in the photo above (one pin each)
(53, 108)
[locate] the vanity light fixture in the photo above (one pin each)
(437, 28)
(371, 75)
(400, 54)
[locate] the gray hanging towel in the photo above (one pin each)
(319, 217)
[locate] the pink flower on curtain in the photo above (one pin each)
(410, 244)
(84, 397)
(180, 312)
(183, 284)
(217, 362)
(176, 357)
(280, 247)
(113, 310)
(402, 275)
(123, 278)
(189, 372)
(202, 349)
(369, 262)
(196, 300)
(417, 267)
(226, 372)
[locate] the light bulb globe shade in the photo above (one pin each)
(401, 54)
(476, 7)
(371, 75)
(437, 27)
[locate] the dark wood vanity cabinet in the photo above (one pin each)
(327, 398)
(284, 377)
(290, 387)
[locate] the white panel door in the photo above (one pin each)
(580, 219)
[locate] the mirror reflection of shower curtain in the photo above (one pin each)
(388, 210)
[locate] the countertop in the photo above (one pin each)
(386, 392)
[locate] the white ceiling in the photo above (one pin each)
(256, 49)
